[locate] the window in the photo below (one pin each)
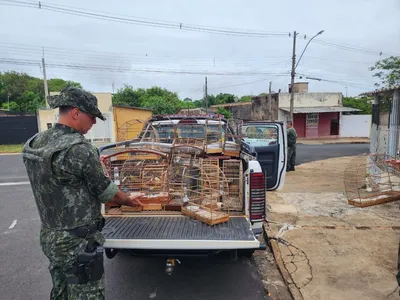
(312, 119)
(264, 132)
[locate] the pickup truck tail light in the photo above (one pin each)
(257, 197)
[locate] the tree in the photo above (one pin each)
(246, 98)
(364, 104)
(388, 71)
(161, 101)
(223, 111)
(57, 85)
(128, 96)
(26, 93)
(199, 103)
(224, 98)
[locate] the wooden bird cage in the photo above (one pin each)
(372, 179)
(233, 188)
(204, 191)
(145, 171)
(184, 169)
(130, 130)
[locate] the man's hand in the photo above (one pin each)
(127, 199)
(135, 198)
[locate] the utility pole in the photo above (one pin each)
(293, 73)
(206, 96)
(46, 90)
(270, 101)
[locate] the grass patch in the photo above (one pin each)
(11, 148)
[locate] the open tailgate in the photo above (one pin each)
(177, 233)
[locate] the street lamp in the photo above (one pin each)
(321, 32)
(294, 66)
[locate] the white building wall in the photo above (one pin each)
(101, 131)
(355, 126)
(311, 99)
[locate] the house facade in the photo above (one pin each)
(315, 115)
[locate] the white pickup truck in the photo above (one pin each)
(261, 148)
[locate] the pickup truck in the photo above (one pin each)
(257, 149)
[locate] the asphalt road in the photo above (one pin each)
(309, 153)
(23, 267)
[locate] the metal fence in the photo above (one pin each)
(17, 128)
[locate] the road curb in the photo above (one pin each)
(6, 153)
(336, 143)
(294, 291)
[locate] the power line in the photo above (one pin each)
(143, 22)
(341, 82)
(351, 48)
(18, 49)
(122, 69)
(173, 25)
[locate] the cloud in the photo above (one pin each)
(359, 23)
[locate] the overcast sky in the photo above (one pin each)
(125, 49)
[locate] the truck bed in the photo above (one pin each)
(177, 232)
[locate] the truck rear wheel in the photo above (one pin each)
(246, 253)
(110, 253)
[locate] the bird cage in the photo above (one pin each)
(372, 179)
(203, 194)
(184, 168)
(233, 188)
(130, 130)
(145, 171)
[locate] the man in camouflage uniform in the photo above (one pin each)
(69, 185)
(291, 138)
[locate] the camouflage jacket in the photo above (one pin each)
(67, 178)
(292, 137)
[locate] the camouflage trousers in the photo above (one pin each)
(291, 157)
(61, 248)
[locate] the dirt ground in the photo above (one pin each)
(334, 250)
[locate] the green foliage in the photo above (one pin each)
(364, 104)
(224, 98)
(246, 98)
(222, 111)
(161, 101)
(26, 93)
(211, 100)
(13, 106)
(199, 103)
(388, 71)
(57, 85)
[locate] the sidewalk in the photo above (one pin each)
(329, 249)
(322, 141)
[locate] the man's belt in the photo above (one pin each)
(86, 230)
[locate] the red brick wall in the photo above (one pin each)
(324, 125)
(300, 124)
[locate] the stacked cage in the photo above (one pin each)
(143, 171)
(371, 180)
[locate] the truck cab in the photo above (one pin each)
(187, 165)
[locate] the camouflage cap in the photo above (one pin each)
(76, 97)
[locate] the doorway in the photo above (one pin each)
(334, 127)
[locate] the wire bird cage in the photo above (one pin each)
(233, 189)
(203, 187)
(372, 179)
(145, 171)
(130, 130)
